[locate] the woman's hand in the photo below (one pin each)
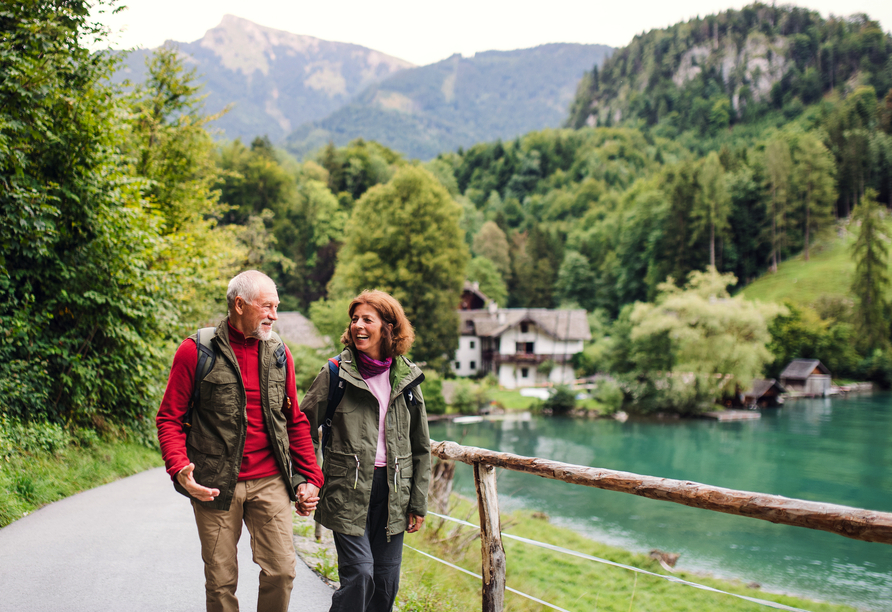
(415, 523)
(307, 498)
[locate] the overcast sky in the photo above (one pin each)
(425, 32)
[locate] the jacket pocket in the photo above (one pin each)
(338, 495)
(221, 388)
(207, 455)
(276, 388)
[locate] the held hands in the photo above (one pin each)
(415, 523)
(199, 492)
(307, 498)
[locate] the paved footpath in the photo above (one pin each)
(130, 545)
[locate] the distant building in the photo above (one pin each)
(806, 377)
(296, 328)
(518, 344)
(764, 393)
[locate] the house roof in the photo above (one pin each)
(472, 297)
(801, 369)
(297, 328)
(560, 324)
(762, 386)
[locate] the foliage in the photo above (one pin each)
(871, 280)
(610, 394)
(561, 401)
(83, 310)
(403, 237)
(434, 402)
(482, 271)
(801, 332)
(716, 341)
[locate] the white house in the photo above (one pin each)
(519, 344)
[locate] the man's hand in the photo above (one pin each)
(307, 498)
(415, 523)
(199, 492)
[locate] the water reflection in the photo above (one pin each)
(835, 451)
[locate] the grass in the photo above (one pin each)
(29, 480)
(563, 580)
(828, 272)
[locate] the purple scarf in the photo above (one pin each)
(369, 367)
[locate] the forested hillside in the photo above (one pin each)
(459, 101)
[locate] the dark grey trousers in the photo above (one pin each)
(369, 565)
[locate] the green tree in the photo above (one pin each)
(484, 272)
(871, 280)
(404, 238)
(814, 181)
(713, 203)
(715, 339)
(491, 242)
(84, 307)
(778, 163)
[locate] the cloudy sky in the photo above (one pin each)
(425, 32)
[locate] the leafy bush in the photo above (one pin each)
(432, 389)
(611, 395)
(41, 437)
(561, 401)
(464, 400)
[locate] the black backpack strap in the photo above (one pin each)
(336, 388)
(409, 392)
(206, 358)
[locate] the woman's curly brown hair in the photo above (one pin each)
(397, 332)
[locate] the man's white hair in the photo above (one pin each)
(246, 286)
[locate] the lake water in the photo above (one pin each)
(832, 450)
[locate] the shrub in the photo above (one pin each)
(562, 401)
(432, 389)
(611, 395)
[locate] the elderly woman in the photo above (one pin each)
(377, 457)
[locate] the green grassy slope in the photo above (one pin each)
(828, 272)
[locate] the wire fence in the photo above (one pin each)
(559, 549)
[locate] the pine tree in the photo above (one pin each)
(871, 255)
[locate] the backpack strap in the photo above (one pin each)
(206, 359)
(336, 388)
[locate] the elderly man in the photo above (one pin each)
(248, 453)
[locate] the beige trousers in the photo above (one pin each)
(263, 505)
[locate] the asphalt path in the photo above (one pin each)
(129, 545)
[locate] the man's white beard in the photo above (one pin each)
(262, 334)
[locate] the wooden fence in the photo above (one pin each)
(855, 523)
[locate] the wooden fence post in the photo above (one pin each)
(490, 538)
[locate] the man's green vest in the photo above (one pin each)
(220, 421)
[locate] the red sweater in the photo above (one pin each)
(257, 460)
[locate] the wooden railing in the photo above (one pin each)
(855, 523)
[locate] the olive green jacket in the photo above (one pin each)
(349, 464)
(216, 440)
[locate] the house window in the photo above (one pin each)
(524, 372)
(524, 348)
(458, 365)
(473, 365)
(473, 344)
(524, 327)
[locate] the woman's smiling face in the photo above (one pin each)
(365, 328)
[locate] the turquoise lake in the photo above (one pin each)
(832, 450)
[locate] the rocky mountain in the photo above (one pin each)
(732, 67)
(459, 101)
(274, 81)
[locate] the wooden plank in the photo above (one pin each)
(490, 538)
(855, 523)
